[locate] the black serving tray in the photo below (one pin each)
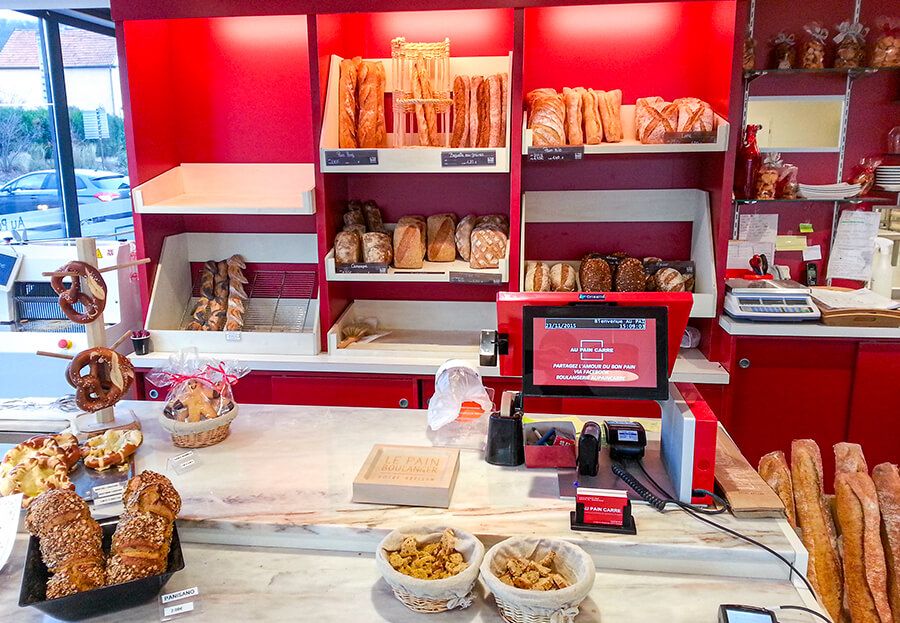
(99, 601)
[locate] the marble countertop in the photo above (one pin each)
(804, 329)
(273, 584)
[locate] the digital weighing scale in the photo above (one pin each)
(769, 300)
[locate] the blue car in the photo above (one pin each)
(31, 204)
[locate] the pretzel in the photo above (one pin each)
(110, 375)
(113, 447)
(93, 300)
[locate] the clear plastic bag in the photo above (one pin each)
(812, 53)
(787, 187)
(784, 51)
(886, 49)
(864, 174)
(460, 407)
(851, 45)
(748, 61)
(767, 177)
(199, 387)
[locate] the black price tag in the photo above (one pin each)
(351, 157)
(468, 158)
(477, 278)
(685, 138)
(556, 154)
(362, 268)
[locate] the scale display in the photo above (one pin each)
(596, 351)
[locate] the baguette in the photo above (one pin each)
(430, 114)
(774, 469)
(347, 113)
(609, 104)
(460, 135)
(887, 486)
(371, 111)
(815, 520)
(504, 96)
(474, 87)
(593, 129)
(495, 111)
(848, 458)
(484, 113)
(865, 573)
(574, 134)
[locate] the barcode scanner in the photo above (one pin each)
(589, 449)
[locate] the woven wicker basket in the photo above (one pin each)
(199, 434)
(430, 596)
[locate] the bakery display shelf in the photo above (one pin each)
(457, 271)
(412, 159)
(866, 199)
(853, 72)
(630, 145)
(282, 311)
(447, 329)
(581, 207)
(213, 188)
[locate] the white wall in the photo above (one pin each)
(87, 88)
(22, 87)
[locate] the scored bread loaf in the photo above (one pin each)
(500, 220)
(595, 274)
(865, 572)
(441, 230)
(464, 235)
(694, 115)
(460, 135)
(654, 117)
(370, 97)
(488, 246)
(849, 457)
(609, 105)
(537, 277)
(562, 278)
(547, 118)
(377, 248)
(574, 134)
(774, 469)
(348, 106)
(409, 246)
(815, 521)
(887, 486)
(347, 247)
(420, 222)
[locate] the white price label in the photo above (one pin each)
(108, 494)
(232, 336)
(181, 463)
(170, 611)
(182, 594)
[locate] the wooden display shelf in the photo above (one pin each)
(457, 271)
(630, 145)
(583, 207)
(411, 159)
(416, 328)
(213, 188)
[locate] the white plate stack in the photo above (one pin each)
(833, 192)
(887, 177)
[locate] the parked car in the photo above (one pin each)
(32, 203)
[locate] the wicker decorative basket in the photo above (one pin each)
(421, 80)
(199, 434)
(430, 596)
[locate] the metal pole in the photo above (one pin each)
(55, 80)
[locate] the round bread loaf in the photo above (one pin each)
(669, 280)
(537, 277)
(595, 274)
(631, 276)
(562, 278)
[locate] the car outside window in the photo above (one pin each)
(110, 182)
(30, 182)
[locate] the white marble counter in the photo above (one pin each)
(271, 585)
(804, 329)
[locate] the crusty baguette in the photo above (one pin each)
(504, 95)
(593, 128)
(371, 111)
(430, 113)
(495, 111)
(460, 135)
(574, 117)
(348, 106)
(865, 573)
(609, 103)
(887, 485)
(484, 113)
(474, 88)
(817, 526)
(774, 469)
(849, 457)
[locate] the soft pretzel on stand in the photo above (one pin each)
(109, 377)
(93, 300)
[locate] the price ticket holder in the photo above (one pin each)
(607, 346)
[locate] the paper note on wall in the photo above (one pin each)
(740, 252)
(813, 253)
(854, 246)
(758, 227)
(790, 243)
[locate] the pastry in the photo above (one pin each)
(595, 274)
(488, 246)
(593, 128)
(631, 276)
(537, 277)
(372, 214)
(574, 134)
(815, 521)
(34, 476)
(409, 247)
(347, 248)
(474, 86)
(108, 379)
(114, 447)
(92, 297)
(428, 561)
(547, 118)
(483, 136)
(463, 235)
(609, 106)
(208, 280)
(534, 575)
(694, 115)
(562, 278)
(194, 401)
(774, 469)
(370, 97)
(377, 248)
(887, 486)
(865, 571)
(460, 135)
(347, 111)
(654, 118)
(234, 315)
(149, 492)
(441, 238)
(848, 457)
(496, 133)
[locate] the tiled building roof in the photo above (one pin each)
(81, 48)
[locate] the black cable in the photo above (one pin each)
(804, 609)
(636, 485)
(718, 511)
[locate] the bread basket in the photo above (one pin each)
(429, 596)
(199, 434)
(518, 605)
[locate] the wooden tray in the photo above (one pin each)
(857, 317)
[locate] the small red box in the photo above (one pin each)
(560, 455)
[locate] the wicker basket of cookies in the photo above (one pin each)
(538, 580)
(430, 568)
(199, 406)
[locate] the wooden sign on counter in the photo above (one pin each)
(407, 476)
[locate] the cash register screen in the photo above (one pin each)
(596, 351)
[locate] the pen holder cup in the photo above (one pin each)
(505, 443)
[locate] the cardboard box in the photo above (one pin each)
(407, 476)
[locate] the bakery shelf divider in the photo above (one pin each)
(447, 329)
(229, 188)
(630, 145)
(409, 159)
(632, 206)
(282, 313)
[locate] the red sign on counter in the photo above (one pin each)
(602, 506)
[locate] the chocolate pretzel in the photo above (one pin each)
(93, 300)
(109, 376)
